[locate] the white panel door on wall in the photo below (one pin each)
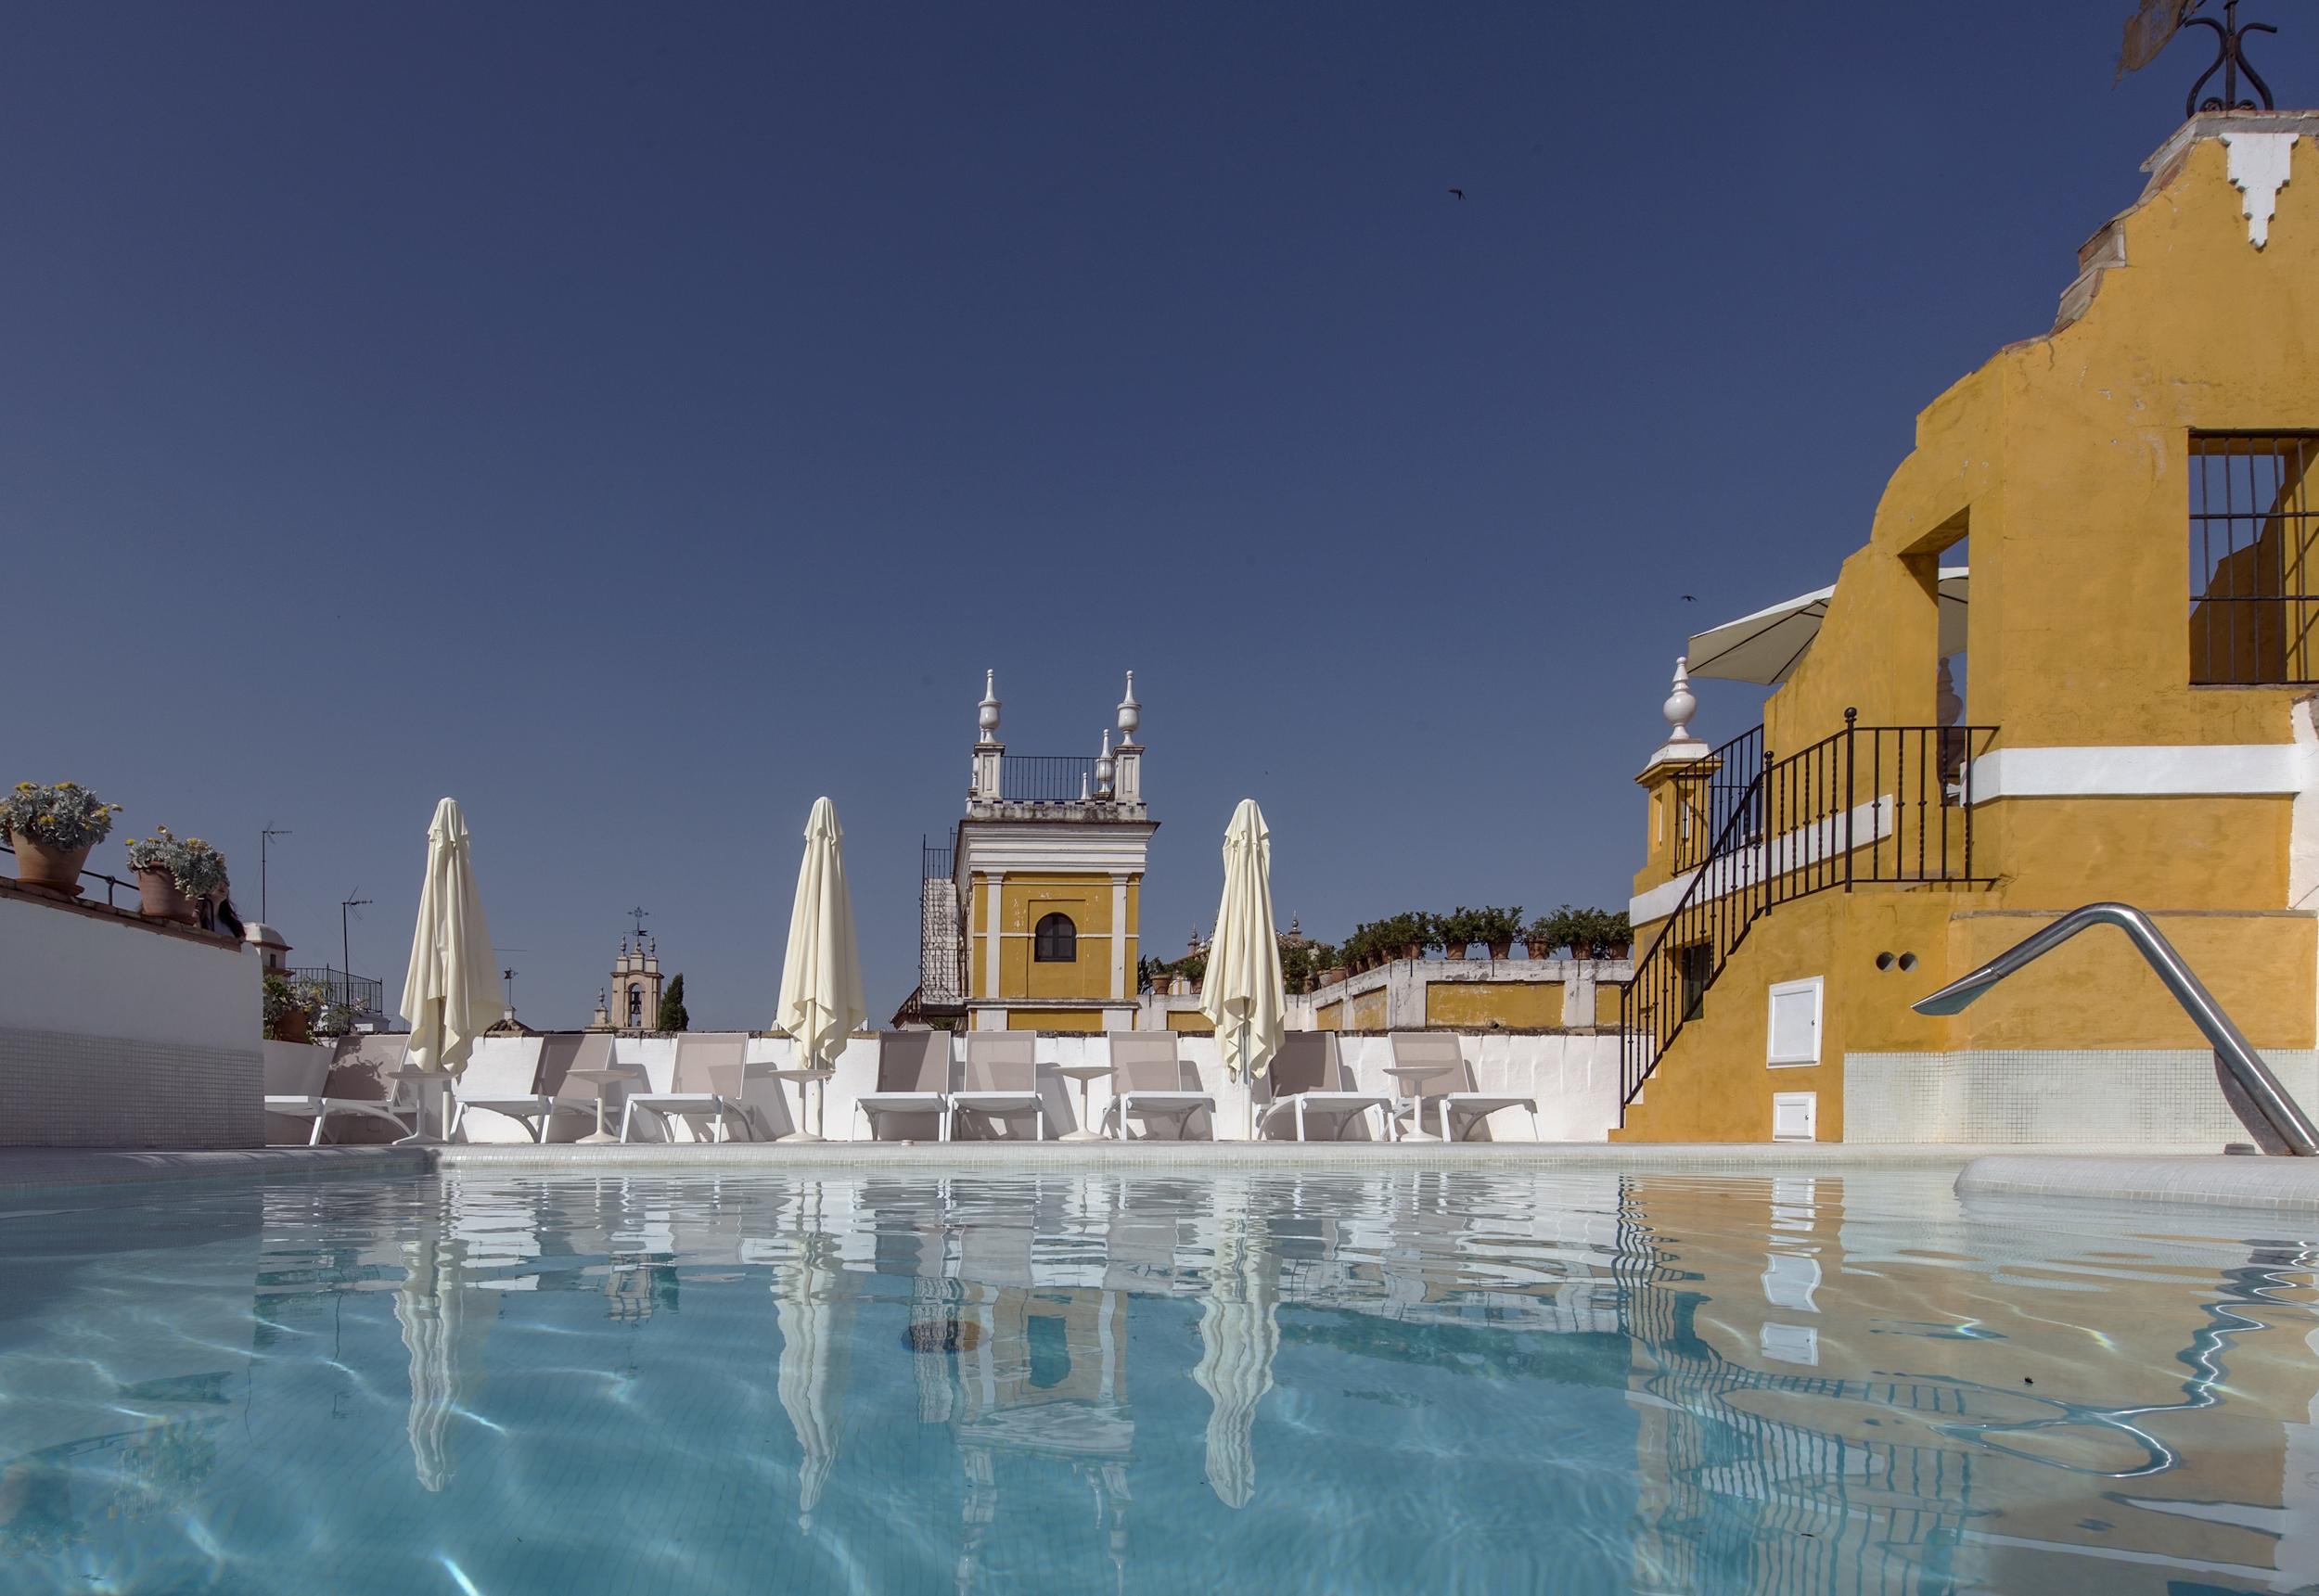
(1792, 1024)
(1795, 1116)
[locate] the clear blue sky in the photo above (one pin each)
(637, 421)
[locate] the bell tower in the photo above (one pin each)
(634, 997)
(1048, 875)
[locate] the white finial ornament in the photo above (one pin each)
(986, 715)
(1104, 767)
(1681, 706)
(1131, 712)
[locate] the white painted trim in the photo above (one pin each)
(1817, 987)
(2257, 165)
(2193, 769)
(1119, 934)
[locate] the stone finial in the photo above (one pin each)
(986, 715)
(1131, 712)
(1680, 705)
(1951, 706)
(1084, 796)
(1104, 767)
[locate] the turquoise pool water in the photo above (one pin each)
(1377, 1381)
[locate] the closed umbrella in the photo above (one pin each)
(1240, 1336)
(451, 994)
(821, 972)
(1242, 992)
(444, 1345)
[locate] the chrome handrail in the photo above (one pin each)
(2254, 1094)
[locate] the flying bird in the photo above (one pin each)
(1459, 192)
(1690, 598)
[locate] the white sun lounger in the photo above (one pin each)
(294, 1078)
(701, 1077)
(1459, 1097)
(1307, 1077)
(1147, 1079)
(503, 1077)
(912, 1079)
(1002, 1073)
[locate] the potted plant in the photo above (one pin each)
(1498, 927)
(175, 875)
(1549, 932)
(52, 829)
(1454, 931)
(291, 1007)
(1616, 934)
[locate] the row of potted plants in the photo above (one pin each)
(53, 827)
(1584, 933)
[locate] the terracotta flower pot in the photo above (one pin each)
(1413, 952)
(1618, 950)
(158, 899)
(292, 1027)
(1453, 950)
(47, 869)
(1502, 949)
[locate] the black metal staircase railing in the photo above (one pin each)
(1868, 805)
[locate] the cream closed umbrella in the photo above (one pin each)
(821, 972)
(451, 994)
(1242, 992)
(445, 1343)
(1240, 1336)
(805, 1298)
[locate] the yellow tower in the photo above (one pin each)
(1048, 875)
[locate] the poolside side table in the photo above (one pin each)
(1412, 1078)
(1085, 1073)
(427, 1084)
(602, 1081)
(807, 1076)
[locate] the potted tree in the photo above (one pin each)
(175, 875)
(1559, 929)
(52, 829)
(1455, 931)
(1498, 927)
(1617, 934)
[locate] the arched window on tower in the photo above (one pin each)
(1056, 941)
(636, 1008)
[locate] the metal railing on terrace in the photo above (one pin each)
(942, 942)
(1045, 778)
(357, 994)
(1706, 801)
(1869, 805)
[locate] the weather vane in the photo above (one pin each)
(2156, 21)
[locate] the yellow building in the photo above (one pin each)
(2136, 723)
(1030, 921)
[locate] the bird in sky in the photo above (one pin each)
(1690, 598)
(1459, 192)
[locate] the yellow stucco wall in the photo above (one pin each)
(1024, 900)
(1480, 1004)
(1055, 1019)
(1366, 1010)
(2064, 461)
(1191, 1020)
(1329, 1016)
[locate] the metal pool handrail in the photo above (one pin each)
(2254, 1094)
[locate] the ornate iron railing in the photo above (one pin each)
(1706, 801)
(356, 994)
(1871, 804)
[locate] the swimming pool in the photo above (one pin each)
(1373, 1380)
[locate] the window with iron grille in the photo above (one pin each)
(2253, 605)
(1056, 941)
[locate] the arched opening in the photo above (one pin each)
(1056, 941)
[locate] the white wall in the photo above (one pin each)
(116, 1033)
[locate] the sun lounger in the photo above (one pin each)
(699, 1078)
(1147, 1079)
(1450, 1093)
(503, 1077)
(1001, 1079)
(1307, 1079)
(913, 1080)
(294, 1078)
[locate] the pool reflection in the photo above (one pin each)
(1662, 1384)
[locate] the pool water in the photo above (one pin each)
(1379, 1379)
